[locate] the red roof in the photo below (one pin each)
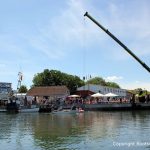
(48, 91)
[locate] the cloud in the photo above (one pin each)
(131, 27)
(70, 31)
(54, 39)
(136, 84)
(113, 78)
(61, 34)
(66, 32)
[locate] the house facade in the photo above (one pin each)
(102, 89)
(49, 92)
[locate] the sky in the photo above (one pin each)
(49, 34)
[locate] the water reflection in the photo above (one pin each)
(89, 130)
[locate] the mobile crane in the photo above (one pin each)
(118, 41)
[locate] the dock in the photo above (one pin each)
(116, 106)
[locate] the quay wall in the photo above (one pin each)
(119, 106)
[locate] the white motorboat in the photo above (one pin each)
(72, 110)
(3, 110)
(33, 108)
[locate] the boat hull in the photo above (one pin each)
(28, 110)
(67, 111)
(3, 110)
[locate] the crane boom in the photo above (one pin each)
(118, 41)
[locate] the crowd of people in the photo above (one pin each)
(79, 101)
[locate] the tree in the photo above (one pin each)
(137, 90)
(55, 77)
(101, 81)
(23, 89)
(97, 81)
(112, 84)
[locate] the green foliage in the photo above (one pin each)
(113, 84)
(101, 81)
(140, 92)
(23, 89)
(55, 77)
(137, 90)
(97, 80)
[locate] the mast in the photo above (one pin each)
(118, 41)
(20, 75)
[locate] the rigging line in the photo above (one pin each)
(84, 47)
(86, 73)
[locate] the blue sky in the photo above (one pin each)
(37, 35)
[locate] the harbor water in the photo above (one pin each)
(105, 130)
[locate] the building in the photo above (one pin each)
(5, 93)
(91, 88)
(5, 90)
(49, 92)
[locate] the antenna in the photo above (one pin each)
(20, 76)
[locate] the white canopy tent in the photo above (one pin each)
(74, 96)
(97, 95)
(111, 95)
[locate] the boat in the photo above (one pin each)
(7, 100)
(3, 110)
(28, 109)
(28, 106)
(72, 110)
(26, 103)
(12, 105)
